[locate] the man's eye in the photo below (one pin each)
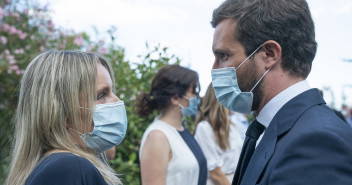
(223, 56)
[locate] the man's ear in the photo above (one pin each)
(273, 53)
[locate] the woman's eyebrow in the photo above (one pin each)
(103, 89)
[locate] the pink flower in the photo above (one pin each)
(11, 59)
(22, 35)
(102, 50)
(78, 40)
(16, 14)
(12, 30)
(6, 27)
(19, 51)
(1, 13)
(14, 67)
(42, 48)
(51, 25)
(19, 32)
(89, 48)
(3, 40)
(7, 52)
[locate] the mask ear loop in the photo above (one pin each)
(181, 106)
(260, 79)
(249, 56)
(186, 98)
(75, 131)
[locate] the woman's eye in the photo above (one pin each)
(101, 96)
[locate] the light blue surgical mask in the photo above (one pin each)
(192, 109)
(110, 125)
(227, 91)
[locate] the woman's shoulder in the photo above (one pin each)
(162, 126)
(204, 125)
(66, 161)
(203, 129)
(65, 168)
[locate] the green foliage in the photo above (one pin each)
(26, 29)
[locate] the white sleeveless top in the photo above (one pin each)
(183, 168)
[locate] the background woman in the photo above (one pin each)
(168, 152)
(67, 115)
(219, 139)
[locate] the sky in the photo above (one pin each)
(184, 27)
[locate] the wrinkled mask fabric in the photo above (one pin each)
(110, 126)
(227, 90)
(228, 93)
(192, 109)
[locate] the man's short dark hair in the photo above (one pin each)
(288, 22)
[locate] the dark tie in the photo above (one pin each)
(254, 130)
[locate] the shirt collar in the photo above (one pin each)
(274, 105)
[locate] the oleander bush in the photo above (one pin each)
(26, 30)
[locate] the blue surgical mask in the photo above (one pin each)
(110, 125)
(192, 109)
(227, 91)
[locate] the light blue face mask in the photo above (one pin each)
(110, 125)
(192, 109)
(227, 91)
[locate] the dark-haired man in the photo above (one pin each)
(263, 54)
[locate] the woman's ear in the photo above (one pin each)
(175, 100)
(273, 53)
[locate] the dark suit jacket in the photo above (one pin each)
(305, 143)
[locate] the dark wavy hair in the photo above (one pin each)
(169, 81)
(288, 22)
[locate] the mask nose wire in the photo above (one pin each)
(249, 56)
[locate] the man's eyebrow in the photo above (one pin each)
(218, 51)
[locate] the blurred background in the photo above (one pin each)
(184, 27)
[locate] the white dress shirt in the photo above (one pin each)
(268, 112)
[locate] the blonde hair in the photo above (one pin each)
(53, 88)
(218, 117)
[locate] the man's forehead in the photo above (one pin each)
(224, 32)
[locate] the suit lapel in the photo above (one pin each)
(260, 157)
(281, 124)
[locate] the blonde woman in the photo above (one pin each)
(67, 115)
(219, 139)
